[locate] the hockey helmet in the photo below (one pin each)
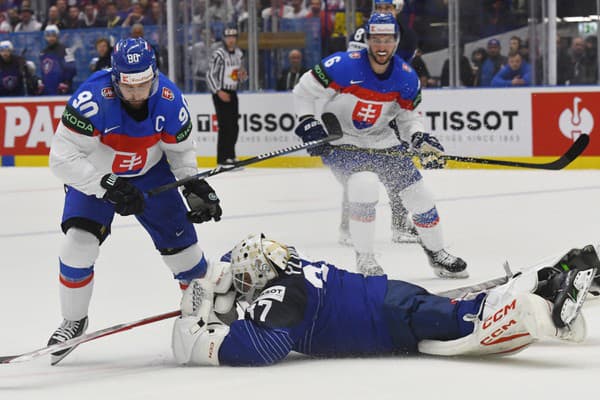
(51, 30)
(383, 24)
(254, 262)
(133, 62)
(230, 30)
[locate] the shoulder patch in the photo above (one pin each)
(417, 99)
(276, 293)
(320, 75)
(108, 92)
(183, 133)
(354, 54)
(167, 94)
(76, 122)
(406, 67)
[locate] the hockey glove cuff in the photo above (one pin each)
(310, 129)
(430, 150)
(126, 198)
(202, 201)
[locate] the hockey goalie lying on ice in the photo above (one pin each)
(315, 308)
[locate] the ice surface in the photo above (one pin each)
(488, 217)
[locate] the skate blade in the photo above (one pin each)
(445, 274)
(55, 359)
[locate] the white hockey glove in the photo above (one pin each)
(429, 149)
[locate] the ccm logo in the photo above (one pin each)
(498, 315)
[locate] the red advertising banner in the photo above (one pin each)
(27, 128)
(559, 118)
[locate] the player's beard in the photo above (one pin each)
(373, 57)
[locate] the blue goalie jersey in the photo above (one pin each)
(317, 309)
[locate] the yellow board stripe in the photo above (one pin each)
(315, 162)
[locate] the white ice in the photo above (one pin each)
(488, 217)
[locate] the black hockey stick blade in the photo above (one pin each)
(572, 153)
(86, 338)
(331, 123)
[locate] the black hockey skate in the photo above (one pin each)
(576, 259)
(445, 265)
(67, 330)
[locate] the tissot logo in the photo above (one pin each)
(253, 122)
(472, 120)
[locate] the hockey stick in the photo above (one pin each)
(333, 128)
(86, 338)
(571, 154)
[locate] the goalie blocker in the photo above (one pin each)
(290, 301)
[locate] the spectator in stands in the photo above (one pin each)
(298, 9)
(291, 75)
(581, 68)
(53, 18)
(492, 64)
(136, 16)
(5, 26)
(90, 19)
(220, 10)
(272, 15)
(591, 57)
(73, 21)
(155, 14)
(63, 9)
(465, 73)
(103, 51)
(478, 56)
(200, 55)
(316, 11)
(421, 69)
(123, 8)
(28, 22)
(514, 44)
(17, 78)
(516, 73)
(101, 11)
(113, 19)
(57, 64)
(13, 17)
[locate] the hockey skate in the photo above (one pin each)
(582, 259)
(67, 330)
(403, 230)
(367, 265)
(445, 265)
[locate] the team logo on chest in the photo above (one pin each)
(126, 163)
(365, 114)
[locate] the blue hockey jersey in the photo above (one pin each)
(317, 309)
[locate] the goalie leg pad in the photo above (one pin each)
(503, 330)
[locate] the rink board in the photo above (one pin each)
(529, 124)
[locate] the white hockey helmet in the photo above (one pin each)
(254, 262)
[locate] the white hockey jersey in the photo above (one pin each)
(375, 111)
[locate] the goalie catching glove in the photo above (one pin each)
(429, 149)
(202, 201)
(309, 129)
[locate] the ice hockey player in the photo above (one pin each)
(315, 308)
(403, 230)
(374, 94)
(123, 132)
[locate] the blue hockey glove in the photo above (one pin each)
(310, 129)
(430, 150)
(202, 201)
(126, 198)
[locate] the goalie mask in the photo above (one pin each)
(254, 262)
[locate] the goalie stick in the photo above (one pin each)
(333, 128)
(86, 338)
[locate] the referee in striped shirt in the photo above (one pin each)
(225, 73)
